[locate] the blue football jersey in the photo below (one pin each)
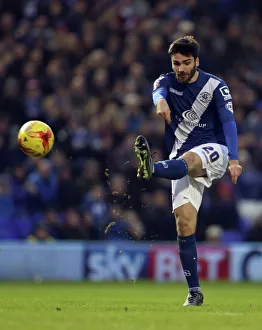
(198, 111)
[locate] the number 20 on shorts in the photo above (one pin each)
(213, 156)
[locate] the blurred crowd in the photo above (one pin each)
(87, 68)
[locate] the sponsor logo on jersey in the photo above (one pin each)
(190, 115)
(172, 90)
(191, 119)
(225, 93)
(195, 124)
(205, 97)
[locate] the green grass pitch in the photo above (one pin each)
(127, 306)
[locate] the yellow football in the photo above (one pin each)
(35, 138)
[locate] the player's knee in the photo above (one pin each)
(194, 163)
(191, 159)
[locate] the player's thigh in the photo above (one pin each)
(194, 163)
(186, 190)
(187, 196)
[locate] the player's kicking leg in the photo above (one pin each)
(172, 169)
(186, 215)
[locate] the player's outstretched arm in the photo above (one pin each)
(162, 109)
(230, 132)
(226, 114)
(159, 98)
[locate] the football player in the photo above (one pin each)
(201, 136)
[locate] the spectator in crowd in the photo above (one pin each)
(123, 225)
(214, 234)
(41, 186)
(73, 227)
(158, 220)
(40, 234)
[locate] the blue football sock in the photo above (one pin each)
(171, 169)
(188, 257)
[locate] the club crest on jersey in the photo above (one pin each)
(190, 115)
(205, 97)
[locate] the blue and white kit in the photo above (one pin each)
(202, 121)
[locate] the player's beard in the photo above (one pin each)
(185, 78)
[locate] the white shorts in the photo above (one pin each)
(188, 189)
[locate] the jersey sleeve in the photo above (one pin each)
(160, 88)
(224, 103)
(162, 81)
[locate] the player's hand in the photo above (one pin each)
(235, 170)
(162, 109)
